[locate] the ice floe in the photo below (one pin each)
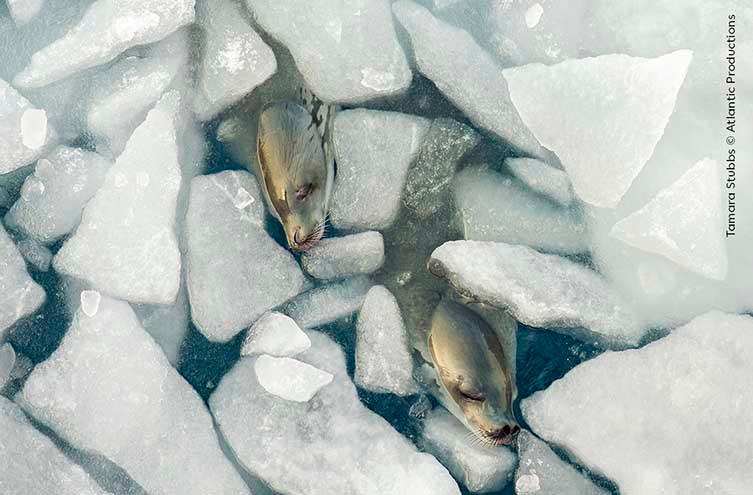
(107, 28)
(331, 444)
(109, 389)
(19, 294)
(479, 468)
(539, 290)
(616, 107)
(383, 359)
(465, 73)
(670, 417)
(374, 150)
(495, 207)
(338, 257)
(236, 271)
(126, 244)
(328, 42)
(53, 197)
(277, 335)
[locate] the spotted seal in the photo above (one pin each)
(296, 167)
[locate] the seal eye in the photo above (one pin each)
(302, 192)
(471, 396)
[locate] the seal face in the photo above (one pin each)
(296, 173)
(474, 371)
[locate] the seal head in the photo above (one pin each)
(474, 370)
(296, 174)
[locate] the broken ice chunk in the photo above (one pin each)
(332, 444)
(289, 378)
(617, 107)
(236, 271)
(539, 290)
(22, 11)
(90, 300)
(167, 324)
(32, 464)
(328, 303)
(494, 207)
(465, 73)
(7, 361)
(479, 468)
(55, 194)
(235, 60)
(123, 94)
(383, 360)
(671, 414)
(329, 42)
(542, 178)
(541, 472)
(24, 130)
(277, 335)
(149, 420)
(107, 28)
(427, 187)
(683, 223)
(344, 256)
(19, 294)
(126, 244)
(35, 254)
(374, 150)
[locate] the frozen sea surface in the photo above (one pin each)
(561, 161)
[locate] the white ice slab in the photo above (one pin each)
(465, 73)
(7, 361)
(331, 444)
(611, 113)
(277, 335)
(672, 417)
(20, 296)
(35, 254)
(107, 29)
(479, 468)
(167, 324)
(23, 11)
(122, 95)
(24, 132)
(383, 359)
(328, 303)
(346, 50)
(235, 59)
(541, 472)
(543, 178)
(338, 257)
(684, 222)
(32, 464)
(429, 182)
(374, 150)
(495, 207)
(236, 272)
(290, 379)
(126, 244)
(109, 389)
(53, 197)
(539, 290)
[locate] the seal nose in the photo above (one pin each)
(505, 435)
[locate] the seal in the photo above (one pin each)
(295, 166)
(471, 348)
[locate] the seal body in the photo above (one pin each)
(295, 167)
(472, 352)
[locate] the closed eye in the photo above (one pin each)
(472, 396)
(302, 192)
